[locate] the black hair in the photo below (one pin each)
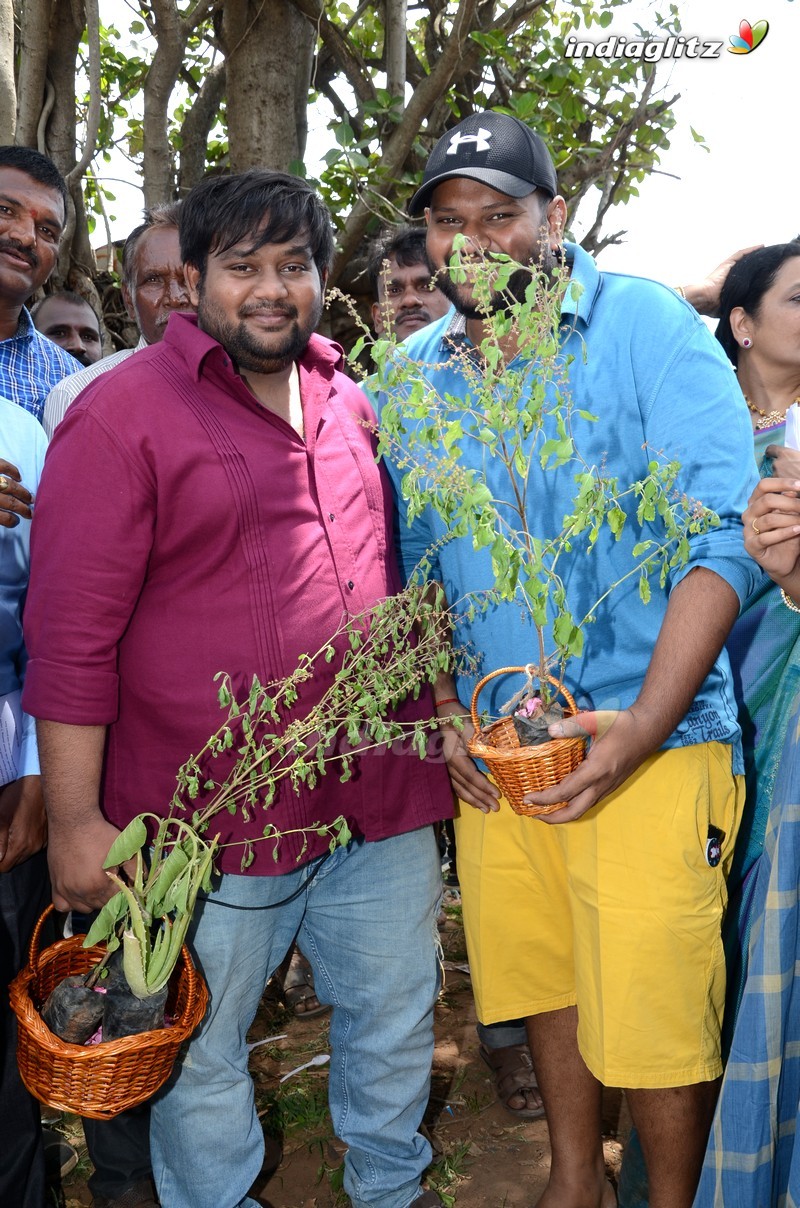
(404, 244)
(64, 295)
(746, 284)
(165, 215)
(222, 211)
(35, 165)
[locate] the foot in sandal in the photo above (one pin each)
(514, 1080)
(299, 994)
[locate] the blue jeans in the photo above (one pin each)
(367, 923)
(502, 1035)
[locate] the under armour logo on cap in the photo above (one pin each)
(494, 148)
(480, 139)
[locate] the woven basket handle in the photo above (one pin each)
(33, 947)
(481, 684)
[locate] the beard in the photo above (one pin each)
(543, 261)
(254, 352)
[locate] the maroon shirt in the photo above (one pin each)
(181, 529)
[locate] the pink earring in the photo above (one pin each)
(747, 342)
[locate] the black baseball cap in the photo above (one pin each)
(499, 150)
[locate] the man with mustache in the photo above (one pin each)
(601, 924)
(33, 200)
(406, 297)
(232, 514)
(69, 321)
(153, 286)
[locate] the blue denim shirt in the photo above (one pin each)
(647, 366)
(23, 443)
(31, 365)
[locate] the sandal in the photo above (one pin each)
(299, 994)
(512, 1071)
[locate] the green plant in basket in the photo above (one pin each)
(260, 744)
(483, 462)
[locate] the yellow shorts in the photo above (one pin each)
(618, 912)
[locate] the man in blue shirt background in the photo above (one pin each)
(24, 886)
(33, 206)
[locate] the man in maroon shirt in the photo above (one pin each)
(230, 513)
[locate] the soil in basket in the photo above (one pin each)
(74, 1011)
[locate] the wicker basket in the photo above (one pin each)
(101, 1080)
(519, 770)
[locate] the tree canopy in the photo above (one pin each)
(184, 87)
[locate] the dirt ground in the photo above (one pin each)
(483, 1156)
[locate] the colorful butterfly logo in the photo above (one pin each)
(748, 38)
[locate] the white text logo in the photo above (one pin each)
(652, 50)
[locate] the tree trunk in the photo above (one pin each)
(158, 168)
(268, 48)
(34, 24)
(395, 48)
(65, 36)
(8, 96)
(60, 133)
(304, 65)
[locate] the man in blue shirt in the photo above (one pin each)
(603, 931)
(33, 201)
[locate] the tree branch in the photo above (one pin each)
(394, 41)
(349, 62)
(401, 140)
(196, 127)
(93, 112)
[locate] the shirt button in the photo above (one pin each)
(350, 584)
(331, 516)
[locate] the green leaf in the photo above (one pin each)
(567, 634)
(109, 916)
(616, 520)
(170, 870)
(127, 843)
(342, 833)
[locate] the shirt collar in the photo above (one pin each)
(455, 333)
(584, 271)
(194, 345)
(25, 328)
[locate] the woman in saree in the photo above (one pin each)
(752, 1158)
(759, 328)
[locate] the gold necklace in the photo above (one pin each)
(768, 418)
